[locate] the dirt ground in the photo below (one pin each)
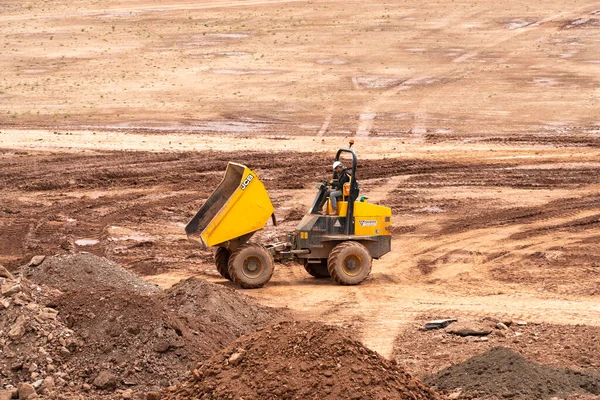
(475, 121)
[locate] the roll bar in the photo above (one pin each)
(353, 188)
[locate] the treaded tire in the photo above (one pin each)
(221, 261)
(318, 271)
(251, 266)
(349, 263)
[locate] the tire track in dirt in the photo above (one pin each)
(468, 65)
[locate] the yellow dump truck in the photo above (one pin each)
(339, 246)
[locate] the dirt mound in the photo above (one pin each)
(300, 360)
(228, 313)
(75, 272)
(108, 337)
(503, 373)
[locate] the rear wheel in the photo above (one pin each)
(318, 270)
(251, 266)
(349, 263)
(221, 260)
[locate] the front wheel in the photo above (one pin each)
(221, 261)
(251, 266)
(349, 263)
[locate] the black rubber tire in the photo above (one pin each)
(319, 271)
(349, 263)
(244, 259)
(221, 261)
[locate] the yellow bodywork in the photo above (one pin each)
(240, 205)
(369, 219)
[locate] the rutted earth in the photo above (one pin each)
(475, 122)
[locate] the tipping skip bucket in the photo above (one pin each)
(240, 205)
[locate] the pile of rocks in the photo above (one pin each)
(34, 343)
(87, 328)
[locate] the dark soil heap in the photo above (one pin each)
(504, 373)
(300, 360)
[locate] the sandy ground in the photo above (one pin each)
(476, 122)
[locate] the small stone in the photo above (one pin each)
(18, 329)
(35, 261)
(521, 323)
(25, 390)
(468, 329)
(127, 394)
(501, 334)
(21, 299)
(87, 387)
(6, 395)
(9, 289)
(501, 326)
(36, 385)
(153, 396)
(4, 303)
(236, 358)
(48, 315)
(64, 351)
(162, 346)
(438, 324)
(47, 384)
(4, 273)
(105, 380)
(518, 333)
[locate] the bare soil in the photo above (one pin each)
(475, 122)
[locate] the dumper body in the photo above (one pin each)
(238, 207)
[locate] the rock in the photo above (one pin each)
(521, 323)
(9, 289)
(501, 326)
(47, 384)
(153, 396)
(454, 395)
(501, 334)
(25, 390)
(438, 324)
(4, 303)
(17, 331)
(105, 380)
(21, 299)
(236, 358)
(469, 329)
(4, 273)
(35, 261)
(127, 394)
(47, 315)
(6, 394)
(36, 385)
(162, 346)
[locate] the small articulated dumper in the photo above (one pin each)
(340, 246)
